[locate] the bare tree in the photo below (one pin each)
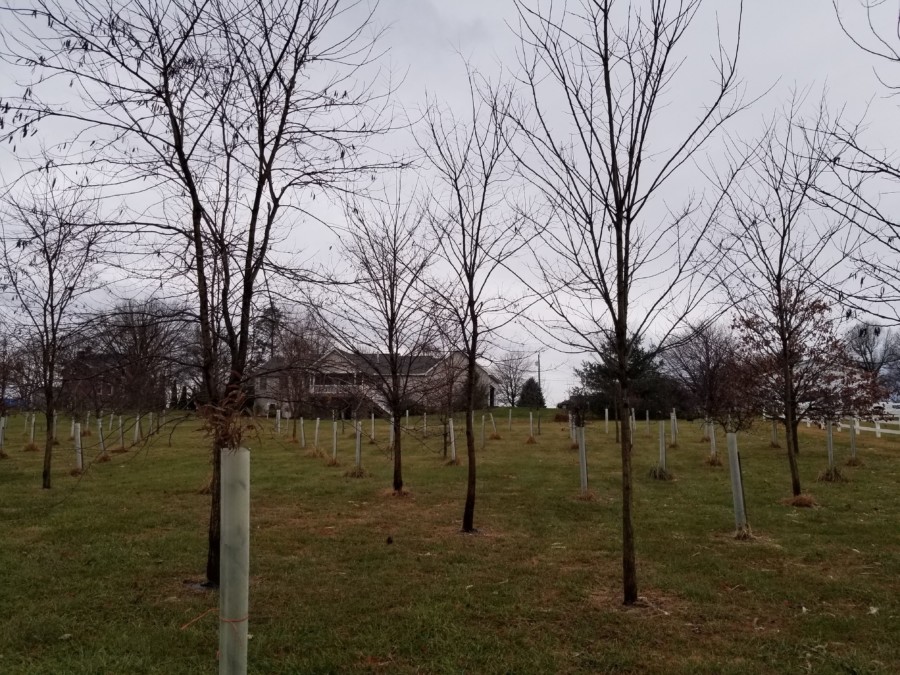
(383, 316)
(699, 359)
(875, 349)
(510, 371)
(825, 382)
(866, 173)
(447, 387)
(300, 343)
(7, 364)
(475, 224)
(25, 367)
(146, 347)
(778, 262)
(615, 261)
(50, 258)
(223, 111)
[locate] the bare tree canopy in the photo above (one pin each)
(50, 246)
(383, 314)
(226, 111)
(475, 224)
(699, 360)
(876, 350)
(780, 262)
(510, 371)
(867, 174)
(147, 346)
(614, 258)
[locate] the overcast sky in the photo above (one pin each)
(786, 44)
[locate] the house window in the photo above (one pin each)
(262, 383)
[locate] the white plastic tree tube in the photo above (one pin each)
(334, 440)
(79, 455)
(737, 486)
(662, 446)
(829, 444)
(582, 460)
(234, 570)
(452, 442)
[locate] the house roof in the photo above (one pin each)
(378, 363)
(371, 364)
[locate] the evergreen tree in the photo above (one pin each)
(531, 396)
(651, 388)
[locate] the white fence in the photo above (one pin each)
(891, 428)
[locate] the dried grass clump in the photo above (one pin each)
(119, 450)
(75, 472)
(531, 441)
(803, 501)
(713, 459)
(356, 472)
(31, 447)
(831, 475)
(452, 462)
(587, 496)
(399, 494)
(331, 461)
(495, 437)
(573, 445)
(86, 432)
(743, 534)
(315, 453)
(659, 473)
(103, 458)
(854, 461)
(3, 455)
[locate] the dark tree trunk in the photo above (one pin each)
(469, 511)
(215, 519)
(629, 566)
(48, 444)
(616, 421)
(398, 472)
(790, 420)
(48, 448)
(791, 434)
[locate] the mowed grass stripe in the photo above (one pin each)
(94, 570)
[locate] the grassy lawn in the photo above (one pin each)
(93, 572)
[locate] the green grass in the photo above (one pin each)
(92, 572)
